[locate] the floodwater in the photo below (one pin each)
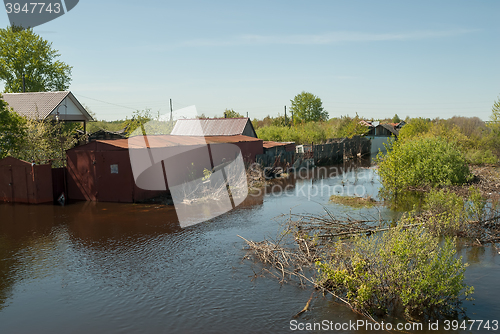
(123, 268)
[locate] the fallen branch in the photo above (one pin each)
(370, 231)
(305, 307)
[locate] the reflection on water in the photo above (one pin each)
(110, 268)
(406, 201)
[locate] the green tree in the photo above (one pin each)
(138, 120)
(281, 121)
(230, 113)
(144, 123)
(45, 141)
(415, 127)
(495, 111)
(427, 161)
(24, 53)
(307, 107)
(396, 119)
(11, 130)
(350, 127)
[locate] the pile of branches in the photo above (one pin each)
(487, 178)
(292, 256)
(284, 258)
(327, 227)
(304, 240)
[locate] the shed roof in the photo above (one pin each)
(271, 144)
(160, 141)
(39, 105)
(211, 126)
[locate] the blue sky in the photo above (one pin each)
(376, 58)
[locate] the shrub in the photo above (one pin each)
(401, 269)
(481, 156)
(476, 204)
(415, 127)
(439, 201)
(447, 212)
(421, 162)
(479, 142)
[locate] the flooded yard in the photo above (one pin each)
(123, 268)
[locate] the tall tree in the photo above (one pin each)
(495, 111)
(495, 118)
(396, 119)
(307, 107)
(11, 130)
(24, 53)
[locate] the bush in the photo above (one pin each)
(439, 201)
(401, 269)
(416, 127)
(45, 141)
(476, 204)
(481, 156)
(479, 142)
(422, 162)
(447, 214)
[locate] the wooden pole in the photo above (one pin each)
(171, 110)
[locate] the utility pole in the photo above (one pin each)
(285, 115)
(171, 118)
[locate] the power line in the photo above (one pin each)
(404, 103)
(114, 104)
(402, 108)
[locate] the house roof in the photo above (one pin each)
(40, 105)
(365, 123)
(390, 127)
(161, 141)
(211, 127)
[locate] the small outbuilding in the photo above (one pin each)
(380, 134)
(102, 170)
(23, 182)
(277, 154)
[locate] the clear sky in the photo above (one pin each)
(376, 58)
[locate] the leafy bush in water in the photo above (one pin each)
(401, 269)
(421, 162)
(476, 204)
(447, 212)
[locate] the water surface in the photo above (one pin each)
(123, 268)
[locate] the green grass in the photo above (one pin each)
(354, 202)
